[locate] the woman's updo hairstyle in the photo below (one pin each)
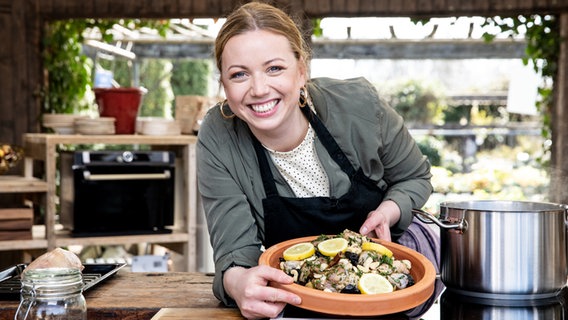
(261, 16)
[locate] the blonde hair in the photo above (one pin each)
(261, 16)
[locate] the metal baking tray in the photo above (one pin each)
(93, 274)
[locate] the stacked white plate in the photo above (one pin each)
(93, 126)
(155, 126)
(61, 123)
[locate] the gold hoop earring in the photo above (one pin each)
(304, 97)
(221, 105)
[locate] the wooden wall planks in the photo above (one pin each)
(6, 69)
(19, 66)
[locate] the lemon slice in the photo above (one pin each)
(299, 251)
(331, 247)
(372, 283)
(379, 248)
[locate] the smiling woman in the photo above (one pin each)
(286, 156)
(264, 89)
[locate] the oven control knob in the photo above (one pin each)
(127, 156)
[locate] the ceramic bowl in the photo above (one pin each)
(156, 126)
(95, 126)
(61, 123)
(343, 304)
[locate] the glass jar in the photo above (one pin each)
(52, 294)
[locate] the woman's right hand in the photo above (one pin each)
(249, 288)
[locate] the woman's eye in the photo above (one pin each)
(273, 69)
(237, 75)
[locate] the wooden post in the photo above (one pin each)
(559, 120)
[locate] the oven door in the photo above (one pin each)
(117, 197)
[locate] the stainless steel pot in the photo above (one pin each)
(502, 249)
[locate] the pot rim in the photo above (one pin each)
(502, 206)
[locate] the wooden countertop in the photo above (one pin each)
(130, 296)
(196, 313)
(163, 296)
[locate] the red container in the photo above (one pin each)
(121, 104)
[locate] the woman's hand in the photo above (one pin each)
(249, 288)
(379, 221)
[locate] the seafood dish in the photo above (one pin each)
(346, 263)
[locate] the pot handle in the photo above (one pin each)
(426, 217)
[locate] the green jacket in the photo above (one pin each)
(369, 132)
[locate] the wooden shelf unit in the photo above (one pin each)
(45, 148)
(37, 243)
(17, 184)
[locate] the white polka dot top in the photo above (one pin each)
(302, 169)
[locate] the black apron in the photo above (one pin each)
(288, 218)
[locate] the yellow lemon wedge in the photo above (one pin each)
(379, 248)
(372, 283)
(299, 251)
(331, 247)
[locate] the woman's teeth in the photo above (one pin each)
(261, 108)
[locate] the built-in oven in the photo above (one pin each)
(117, 192)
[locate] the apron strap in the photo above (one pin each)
(268, 183)
(329, 143)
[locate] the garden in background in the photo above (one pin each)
(478, 150)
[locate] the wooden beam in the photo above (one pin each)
(356, 49)
(419, 49)
(65, 9)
